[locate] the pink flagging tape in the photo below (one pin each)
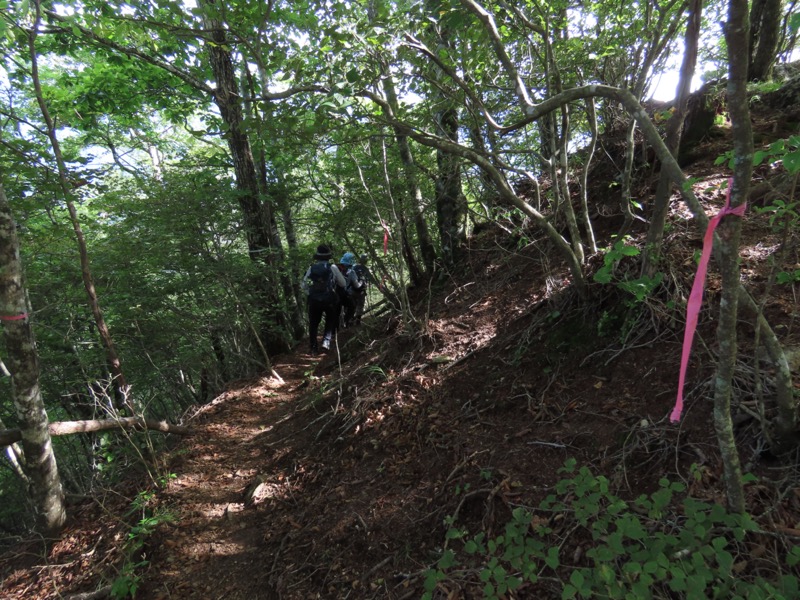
(385, 238)
(696, 296)
(14, 318)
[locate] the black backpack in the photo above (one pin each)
(362, 274)
(322, 283)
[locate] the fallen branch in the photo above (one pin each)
(103, 592)
(11, 436)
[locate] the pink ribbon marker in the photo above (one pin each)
(385, 238)
(696, 295)
(14, 318)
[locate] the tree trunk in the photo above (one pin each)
(410, 172)
(120, 386)
(274, 202)
(451, 204)
(287, 220)
(728, 250)
(765, 32)
(562, 182)
(23, 363)
(259, 221)
(652, 49)
(655, 233)
(486, 193)
(627, 177)
(591, 116)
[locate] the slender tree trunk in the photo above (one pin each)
(23, 363)
(627, 178)
(485, 194)
(558, 157)
(287, 220)
(120, 386)
(562, 181)
(410, 173)
(591, 115)
(765, 33)
(274, 202)
(728, 252)
(451, 204)
(663, 33)
(655, 233)
(227, 99)
(259, 220)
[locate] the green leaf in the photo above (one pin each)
(577, 579)
(603, 276)
(794, 556)
(791, 162)
(632, 567)
(551, 560)
(448, 560)
(607, 574)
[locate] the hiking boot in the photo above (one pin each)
(326, 344)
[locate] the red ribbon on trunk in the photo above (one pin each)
(14, 318)
(696, 295)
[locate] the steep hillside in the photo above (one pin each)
(354, 476)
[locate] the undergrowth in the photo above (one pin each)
(662, 545)
(135, 560)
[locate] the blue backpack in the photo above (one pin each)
(322, 283)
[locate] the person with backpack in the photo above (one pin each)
(320, 283)
(365, 278)
(352, 289)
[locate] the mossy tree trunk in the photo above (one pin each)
(39, 462)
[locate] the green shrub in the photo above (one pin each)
(648, 548)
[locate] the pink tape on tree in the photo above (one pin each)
(696, 296)
(14, 318)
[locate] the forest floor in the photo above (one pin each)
(342, 480)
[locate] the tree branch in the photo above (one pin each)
(11, 436)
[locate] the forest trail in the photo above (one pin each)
(343, 481)
(215, 547)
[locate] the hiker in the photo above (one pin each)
(320, 283)
(352, 289)
(365, 278)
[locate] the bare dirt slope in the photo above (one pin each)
(342, 481)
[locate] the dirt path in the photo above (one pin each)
(215, 548)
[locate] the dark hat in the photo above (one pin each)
(323, 253)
